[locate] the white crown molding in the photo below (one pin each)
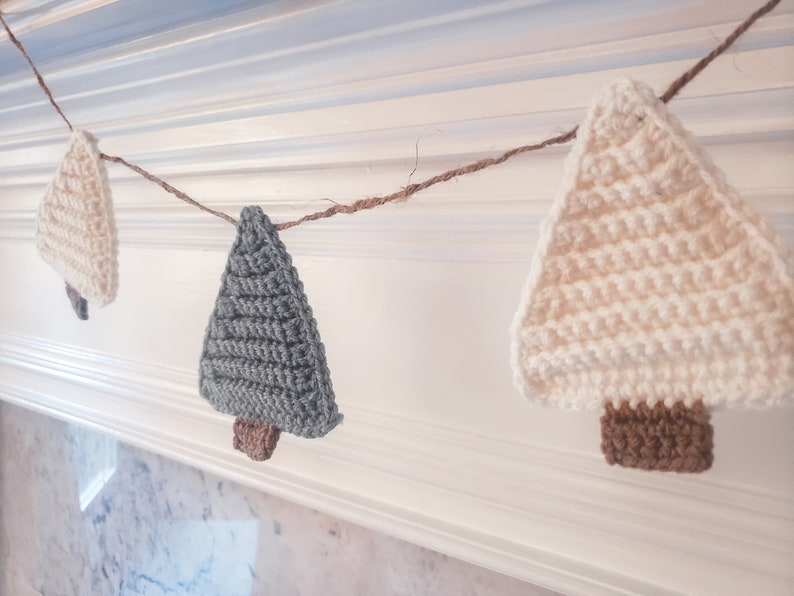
(511, 505)
(150, 76)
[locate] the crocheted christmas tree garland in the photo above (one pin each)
(263, 360)
(75, 228)
(654, 292)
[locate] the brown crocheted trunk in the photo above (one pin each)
(677, 439)
(254, 438)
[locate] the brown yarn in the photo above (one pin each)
(167, 187)
(405, 193)
(79, 304)
(685, 78)
(36, 72)
(677, 439)
(255, 438)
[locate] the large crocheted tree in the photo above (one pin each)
(75, 227)
(263, 360)
(654, 293)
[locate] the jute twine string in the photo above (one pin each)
(36, 72)
(408, 191)
(165, 186)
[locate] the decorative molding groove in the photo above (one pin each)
(449, 231)
(490, 490)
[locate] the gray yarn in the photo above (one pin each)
(262, 357)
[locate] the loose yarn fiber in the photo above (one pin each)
(75, 227)
(652, 282)
(262, 358)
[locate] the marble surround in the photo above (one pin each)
(81, 514)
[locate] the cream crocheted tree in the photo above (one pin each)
(655, 293)
(75, 228)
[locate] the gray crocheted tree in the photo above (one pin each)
(263, 360)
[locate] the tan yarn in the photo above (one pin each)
(75, 228)
(652, 282)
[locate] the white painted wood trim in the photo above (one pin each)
(357, 473)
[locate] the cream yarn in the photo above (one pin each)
(652, 282)
(75, 228)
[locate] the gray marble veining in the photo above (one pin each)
(81, 514)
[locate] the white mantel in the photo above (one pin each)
(287, 103)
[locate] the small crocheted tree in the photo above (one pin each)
(263, 360)
(654, 292)
(75, 227)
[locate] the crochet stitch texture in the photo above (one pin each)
(652, 282)
(676, 439)
(75, 228)
(263, 359)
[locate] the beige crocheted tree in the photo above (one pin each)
(655, 293)
(75, 227)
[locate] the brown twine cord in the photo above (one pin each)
(685, 78)
(165, 186)
(39, 78)
(407, 192)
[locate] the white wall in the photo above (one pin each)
(286, 103)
